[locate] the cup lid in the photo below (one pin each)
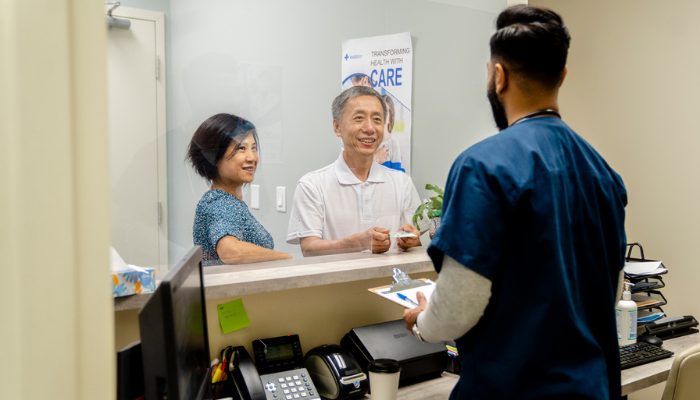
(384, 365)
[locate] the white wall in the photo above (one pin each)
(219, 49)
(632, 91)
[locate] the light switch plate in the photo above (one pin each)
(255, 197)
(281, 199)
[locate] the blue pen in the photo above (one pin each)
(405, 298)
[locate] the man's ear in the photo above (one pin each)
(336, 128)
(501, 79)
(563, 76)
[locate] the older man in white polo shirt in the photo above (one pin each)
(354, 203)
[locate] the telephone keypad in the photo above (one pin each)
(290, 385)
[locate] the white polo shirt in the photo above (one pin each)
(331, 203)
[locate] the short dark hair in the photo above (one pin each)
(532, 42)
(213, 137)
(338, 107)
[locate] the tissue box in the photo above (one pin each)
(130, 281)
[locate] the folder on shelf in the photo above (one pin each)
(396, 296)
(644, 317)
(649, 299)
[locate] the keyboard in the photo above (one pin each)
(639, 353)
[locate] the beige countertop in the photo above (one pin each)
(238, 280)
(646, 375)
(633, 379)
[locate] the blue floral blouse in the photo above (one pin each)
(219, 214)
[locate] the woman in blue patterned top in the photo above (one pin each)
(224, 151)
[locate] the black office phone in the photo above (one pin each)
(292, 384)
(245, 376)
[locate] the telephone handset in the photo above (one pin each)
(246, 377)
(293, 384)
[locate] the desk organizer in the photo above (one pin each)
(645, 291)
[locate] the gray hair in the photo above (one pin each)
(356, 91)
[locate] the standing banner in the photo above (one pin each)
(385, 63)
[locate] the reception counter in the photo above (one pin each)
(318, 298)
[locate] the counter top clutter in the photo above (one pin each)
(238, 280)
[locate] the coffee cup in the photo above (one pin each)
(384, 379)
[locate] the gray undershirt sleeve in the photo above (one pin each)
(459, 300)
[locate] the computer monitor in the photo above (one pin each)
(174, 337)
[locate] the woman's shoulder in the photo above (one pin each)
(216, 199)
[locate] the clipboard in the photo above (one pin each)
(385, 292)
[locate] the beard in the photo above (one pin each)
(499, 112)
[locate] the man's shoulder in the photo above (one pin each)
(317, 175)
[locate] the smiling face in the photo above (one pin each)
(238, 164)
(361, 126)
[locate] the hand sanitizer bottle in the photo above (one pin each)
(626, 316)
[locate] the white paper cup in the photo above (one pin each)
(384, 379)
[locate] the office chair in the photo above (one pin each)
(684, 378)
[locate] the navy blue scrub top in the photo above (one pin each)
(536, 210)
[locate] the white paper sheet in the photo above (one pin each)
(644, 268)
(410, 293)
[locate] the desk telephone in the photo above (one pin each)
(277, 360)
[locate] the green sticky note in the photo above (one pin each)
(232, 316)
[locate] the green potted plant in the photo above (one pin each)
(433, 206)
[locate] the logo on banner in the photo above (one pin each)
(352, 57)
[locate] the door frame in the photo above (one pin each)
(161, 136)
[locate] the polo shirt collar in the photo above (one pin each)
(346, 177)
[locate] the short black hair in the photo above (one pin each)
(213, 137)
(532, 42)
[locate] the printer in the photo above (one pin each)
(418, 360)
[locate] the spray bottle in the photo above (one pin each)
(626, 315)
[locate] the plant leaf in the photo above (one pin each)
(435, 189)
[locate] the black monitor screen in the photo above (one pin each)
(174, 335)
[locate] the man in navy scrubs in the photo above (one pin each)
(531, 247)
